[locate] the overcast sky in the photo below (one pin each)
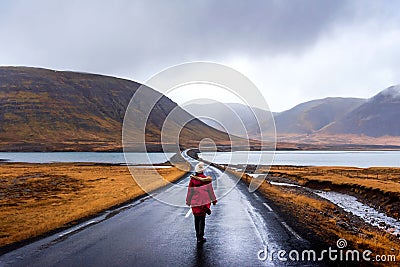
(293, 51)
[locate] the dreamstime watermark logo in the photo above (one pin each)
(338, 253)
(161, 125)
(341, 243)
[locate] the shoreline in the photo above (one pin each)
(292, 158)
(280, 146)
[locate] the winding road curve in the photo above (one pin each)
(150, 233)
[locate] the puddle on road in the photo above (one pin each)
(284, 184)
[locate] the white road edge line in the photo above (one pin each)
(291, 231)
(267, 206)
(76, 229)
(188, 213)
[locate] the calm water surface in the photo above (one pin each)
(300, 158)
(310, 158)
(98, 157)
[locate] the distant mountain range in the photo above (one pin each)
(329, 121)
(312, 116)
(376, 117)
(46, 110)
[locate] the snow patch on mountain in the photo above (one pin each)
(392, 91)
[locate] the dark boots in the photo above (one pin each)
(199, 224)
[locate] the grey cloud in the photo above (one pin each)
(105, 35)
(113, 37)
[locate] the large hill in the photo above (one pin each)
(47, 110)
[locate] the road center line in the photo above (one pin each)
(284, 224)
(267, 206)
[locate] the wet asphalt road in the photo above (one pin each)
(150, 233)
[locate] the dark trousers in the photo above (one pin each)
(199, 224)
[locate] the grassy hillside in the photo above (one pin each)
(47, 110)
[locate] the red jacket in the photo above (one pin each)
(200, 195)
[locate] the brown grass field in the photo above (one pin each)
(38, 198)
(386, 180)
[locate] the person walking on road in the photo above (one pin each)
(200, 195)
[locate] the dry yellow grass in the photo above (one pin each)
(379, 187)
(37, 198)
(383, 179)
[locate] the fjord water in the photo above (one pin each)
(95, 157)
(362, 159)
(299, 158)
